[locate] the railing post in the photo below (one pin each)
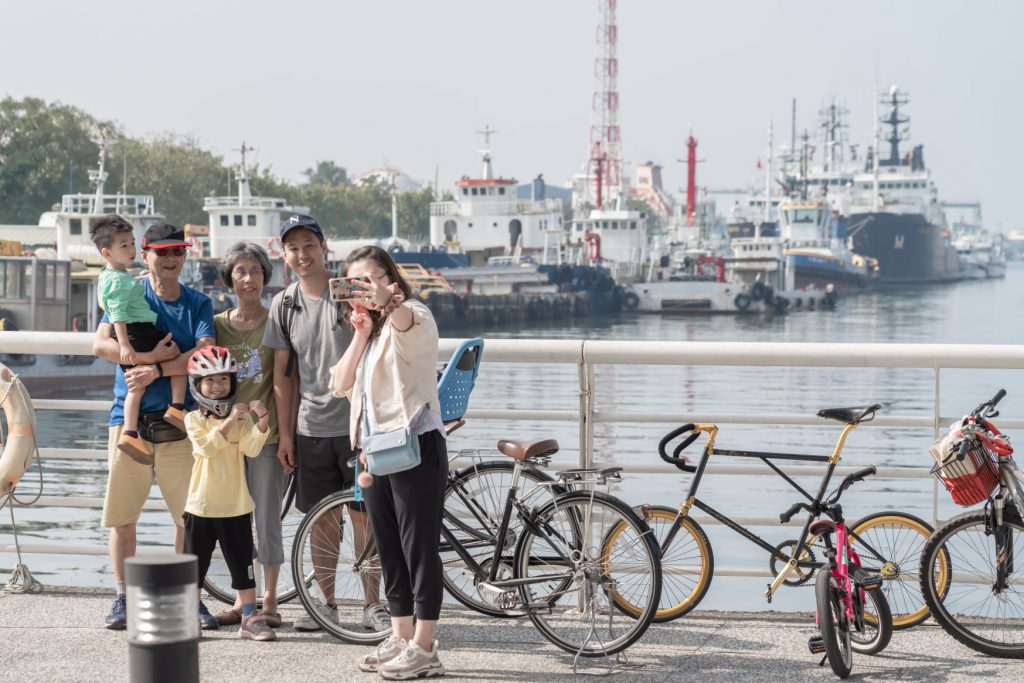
(935, 435)
(585, 407)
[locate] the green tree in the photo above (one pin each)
(175, 170)
(326, 173)
(44, 148)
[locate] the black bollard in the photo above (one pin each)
(163, 618)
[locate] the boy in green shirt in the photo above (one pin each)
(123, 298)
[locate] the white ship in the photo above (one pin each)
(981, 254)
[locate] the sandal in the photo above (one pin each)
(229, 617)
(273, 619)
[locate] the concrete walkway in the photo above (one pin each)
(59, 636)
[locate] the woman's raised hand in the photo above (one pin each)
(361, 321)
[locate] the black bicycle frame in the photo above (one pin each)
(766, 458)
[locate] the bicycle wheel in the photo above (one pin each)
(474, 502)
(575, 568)
(832, 622)
(687, 563)
(334, 545)
(981, 617)
(890, 544)
(876, 633)
(218, 578)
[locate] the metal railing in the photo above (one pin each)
(587, 356)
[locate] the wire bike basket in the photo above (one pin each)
(970, 478)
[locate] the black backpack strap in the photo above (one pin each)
(285, 316)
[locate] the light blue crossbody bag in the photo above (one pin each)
(389, 452)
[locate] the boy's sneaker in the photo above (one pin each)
(385, 652)
(175, 417)
(255, 628)
(135, 448)
(413, 662)
(308, 623)
(376, 618)
(207, 621)
(117, 620)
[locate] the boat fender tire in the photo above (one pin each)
(630, 300)
(21, 430)
(742, 301)
(758, 291)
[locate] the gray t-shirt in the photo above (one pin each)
(319, 340)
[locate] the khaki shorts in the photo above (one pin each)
(129, 483)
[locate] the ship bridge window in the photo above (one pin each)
(76, 226)
(803, 216)
(474, 192)
(465, 191)
(501, 190)
(224, 219)
(632, 225)
(251, 219)
(238, 219)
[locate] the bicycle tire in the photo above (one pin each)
(218, 579)
(485, 487)
(877, 632)
(890, 543)
(688, 555)
(314, 538)
(970, 550)
(563, 530)
(832, 623)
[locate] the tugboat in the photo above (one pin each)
(894, 213)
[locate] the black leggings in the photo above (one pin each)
(405, 513)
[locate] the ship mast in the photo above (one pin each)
(244, 193)
(485, 153)
(97, 178)
(767, 182)
(874, 158)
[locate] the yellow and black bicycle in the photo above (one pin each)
(888, 543)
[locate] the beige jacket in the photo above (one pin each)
(404, 379)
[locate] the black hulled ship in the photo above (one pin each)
(894, 213)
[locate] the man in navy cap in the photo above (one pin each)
(307, 331)
(187, 315)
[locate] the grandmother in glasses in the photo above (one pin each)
(187, 316)
(246, 269)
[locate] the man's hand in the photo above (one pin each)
(140, 377)
(286, 454)
(165, 350)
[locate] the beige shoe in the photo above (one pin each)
(175, 417)
(413, 662)
(135, 448)
(385, 652)
(255, 628)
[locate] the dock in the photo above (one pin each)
(58, 635)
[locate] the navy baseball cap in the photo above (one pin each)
(300, 221)
(163, 235)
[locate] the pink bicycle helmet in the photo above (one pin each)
(208, 361)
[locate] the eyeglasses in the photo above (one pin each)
(240, 273)
(170, 251)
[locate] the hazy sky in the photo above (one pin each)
(409, 82)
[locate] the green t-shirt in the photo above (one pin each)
(255, 364)
(123, 298)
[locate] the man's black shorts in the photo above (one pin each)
(324, 468)
(143, 337)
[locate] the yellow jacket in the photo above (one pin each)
(217, 487)
(404, 380)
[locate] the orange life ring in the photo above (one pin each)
(274, 248)
(21, 430)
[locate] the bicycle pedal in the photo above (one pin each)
(816, 644)
(870, 581)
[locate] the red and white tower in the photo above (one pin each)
(604, 169)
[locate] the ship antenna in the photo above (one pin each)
(243, 175)
(485, 153)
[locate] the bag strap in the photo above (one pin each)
(285, 316)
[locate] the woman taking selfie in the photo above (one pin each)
(388, 374)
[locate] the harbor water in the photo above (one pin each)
(973, 312)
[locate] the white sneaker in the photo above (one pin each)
(413, 662)
(376, 618)
(384, 652)
(308, 623)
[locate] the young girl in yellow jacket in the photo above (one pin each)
(388, 374)
(219, 506)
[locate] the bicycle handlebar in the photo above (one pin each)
(674, 459)
(989, 405)
(849, 481)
